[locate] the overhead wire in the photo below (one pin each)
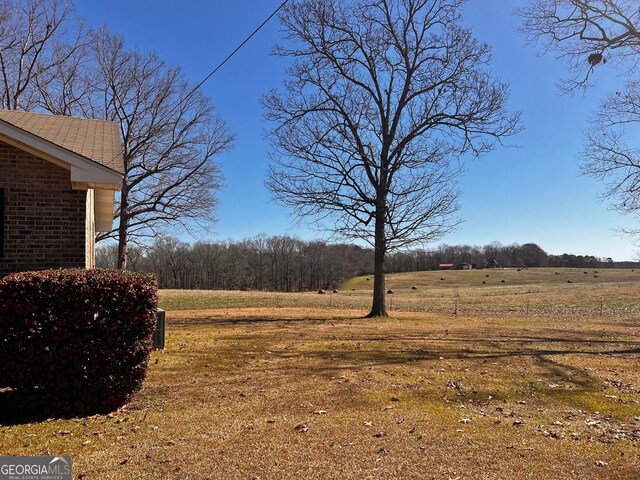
(221, 64)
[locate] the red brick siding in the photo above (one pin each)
(44, 219)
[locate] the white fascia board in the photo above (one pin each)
(83, 170)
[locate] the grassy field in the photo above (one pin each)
(529, 291)
(303, 391)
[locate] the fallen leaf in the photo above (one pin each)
(368, 424)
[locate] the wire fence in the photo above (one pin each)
(514, 304)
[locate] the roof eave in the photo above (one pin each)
(84, 171)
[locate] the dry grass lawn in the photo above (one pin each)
(317, 393)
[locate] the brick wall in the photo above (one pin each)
(44, 219)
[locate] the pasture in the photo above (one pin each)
(258, 385)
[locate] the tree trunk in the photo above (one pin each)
(379, 308)
(122, 246)
(122, 231)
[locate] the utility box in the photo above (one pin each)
(159, 334)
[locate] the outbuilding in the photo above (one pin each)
(464, 266)
(58, 178)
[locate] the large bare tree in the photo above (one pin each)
(588, 35)
(170, 134)
(383, 99)
(170, 137)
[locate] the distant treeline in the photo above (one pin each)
(496, 255)
(283, 263)
(278, 263)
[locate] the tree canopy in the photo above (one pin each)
(382, 100)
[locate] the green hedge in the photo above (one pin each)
(80, 339)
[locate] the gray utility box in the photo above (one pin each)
(159, 334)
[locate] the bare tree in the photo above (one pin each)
(33, 40)
(587, 34)
(383, 99)
(607, 154)
(170, 135)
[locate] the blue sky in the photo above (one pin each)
(531, 192)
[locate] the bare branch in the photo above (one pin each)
(382, 100)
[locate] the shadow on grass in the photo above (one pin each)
(221, 321)
(533, 357)
(389, 356)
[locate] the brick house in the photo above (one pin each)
(58, 177)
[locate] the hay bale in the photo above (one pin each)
(441, 278)
(335, 291)
(595, 276)
(389, 291)
(503, 281)
(569, 281)
(414, 288)
(484, 283)
(487, 275)
(320, 292)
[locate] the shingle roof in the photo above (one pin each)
(95, 140)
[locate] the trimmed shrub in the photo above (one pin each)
(80, 339)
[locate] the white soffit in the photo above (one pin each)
(83, 171)
(103, 208)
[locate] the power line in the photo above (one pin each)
(220, 65)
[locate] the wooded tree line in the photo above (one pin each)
(493, 255)
(286, 264)
(277, 263)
